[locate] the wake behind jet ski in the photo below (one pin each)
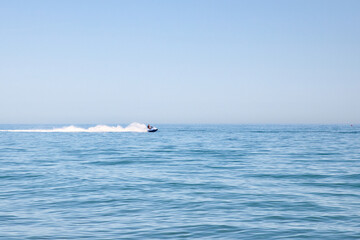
(151, 128)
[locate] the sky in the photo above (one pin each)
(185, 61)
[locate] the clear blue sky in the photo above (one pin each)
(185, 61)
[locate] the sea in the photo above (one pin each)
(181, 182)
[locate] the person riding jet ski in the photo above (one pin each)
(151, 128)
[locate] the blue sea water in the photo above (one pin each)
(182, 182)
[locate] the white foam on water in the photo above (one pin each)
(133, 127)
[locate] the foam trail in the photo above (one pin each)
(133, 127)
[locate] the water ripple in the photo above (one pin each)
(183, 182)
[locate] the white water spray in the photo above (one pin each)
(133, 127)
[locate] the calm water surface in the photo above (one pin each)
(182, 182)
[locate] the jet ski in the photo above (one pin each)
(152, 129)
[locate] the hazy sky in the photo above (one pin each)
(195, 61)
